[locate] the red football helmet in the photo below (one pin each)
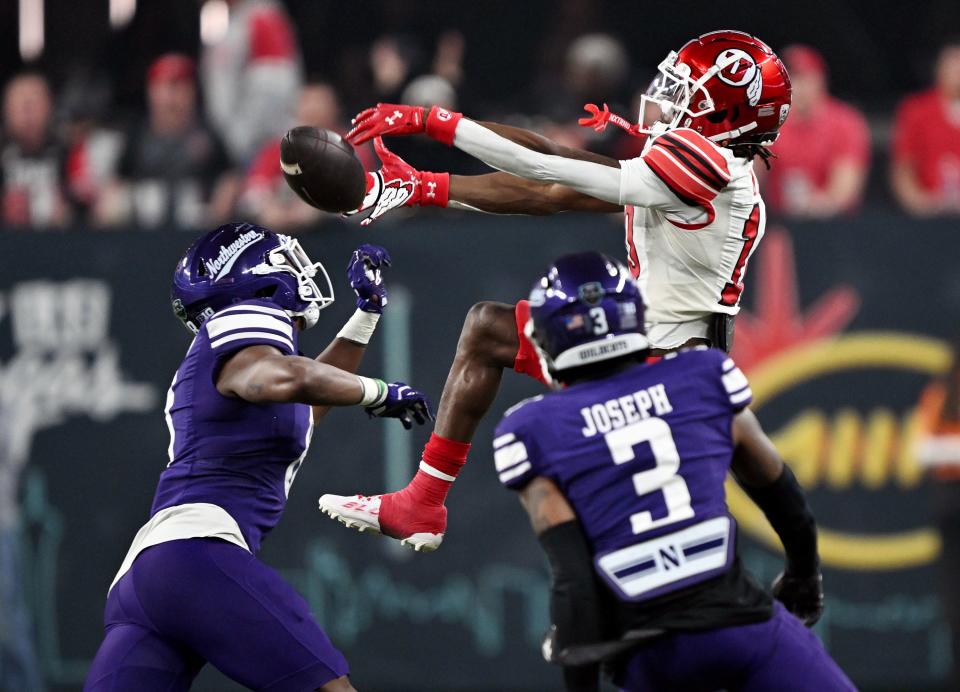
(727, 85)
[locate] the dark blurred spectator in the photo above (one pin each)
(823, 151)
(939, 451)
(251, 75)
(392, 61)
(448, 58)
(430, 90)
(31, 159)
(395, 58)
(174, 170)
(92, 146)
(925, 173)
(266, 196)
(595, 71)
(567, 20)
(597, 66)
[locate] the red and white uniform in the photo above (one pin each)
(693, 217)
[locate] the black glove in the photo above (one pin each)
(802, 596)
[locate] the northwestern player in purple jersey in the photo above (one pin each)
(241, 411)
(622, 473)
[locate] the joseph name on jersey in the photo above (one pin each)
(642, 458)
(231, 462)
(693, 216)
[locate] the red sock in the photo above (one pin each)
(442, 461)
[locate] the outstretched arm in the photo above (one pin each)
(544, 145)
(598, 178)
(503, 193)
(563, 178)
(262, 374)
(399, 184)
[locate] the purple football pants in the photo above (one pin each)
(779, 654)
(189, 602)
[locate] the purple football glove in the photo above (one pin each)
(404, 402)
(363, 271)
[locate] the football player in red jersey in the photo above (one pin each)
(693, 217)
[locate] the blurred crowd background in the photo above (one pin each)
(128, 124)
(167, 114)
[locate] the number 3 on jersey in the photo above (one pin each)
(662, 478)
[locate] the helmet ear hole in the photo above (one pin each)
(717, 117)
(266, 292)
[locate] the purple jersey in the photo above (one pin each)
(642, 457)
(227, 452)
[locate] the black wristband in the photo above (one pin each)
(787, 510)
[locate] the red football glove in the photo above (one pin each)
(599, 119)
(396, 119)
(398, 184)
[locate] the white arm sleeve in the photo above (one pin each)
(594, 179)
(641, 187)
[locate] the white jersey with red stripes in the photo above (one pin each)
(693, 218)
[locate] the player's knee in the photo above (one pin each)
(487, 319)
(488, 327)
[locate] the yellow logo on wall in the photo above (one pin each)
(849, 449)
(873, 450)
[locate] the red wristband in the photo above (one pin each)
(434, 189)
(441, 124)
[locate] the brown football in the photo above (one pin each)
(322, 168)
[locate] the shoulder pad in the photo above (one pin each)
(520, 404)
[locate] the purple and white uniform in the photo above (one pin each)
(642, 458)
(238, 456)
(190, 589)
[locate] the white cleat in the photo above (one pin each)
(423, 542)
(362, 512)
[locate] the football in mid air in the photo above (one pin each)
(322, 169)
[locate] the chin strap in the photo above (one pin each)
(599, 119)
(731, 134)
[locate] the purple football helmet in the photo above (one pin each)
(586, 309)
(241, 261)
